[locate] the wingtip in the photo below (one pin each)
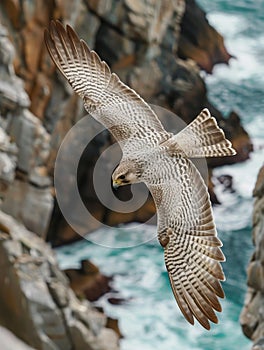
(229, 145)
(72, 33)
(59, 24)
(48, 39)
(206, 326)
(56, 27)
(231, 150)
(70, 29)
(206, 111)
(52, 25)
(52, 29)
(234, 152)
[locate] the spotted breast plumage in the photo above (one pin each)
(186, 228)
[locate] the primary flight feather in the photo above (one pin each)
(186, 228)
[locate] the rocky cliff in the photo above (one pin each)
(252, 316)
(36, 302)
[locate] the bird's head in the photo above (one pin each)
(126, 173)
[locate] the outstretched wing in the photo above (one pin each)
(187, 232)
(106, 98)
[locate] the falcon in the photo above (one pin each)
(186, 228)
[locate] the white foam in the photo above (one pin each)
(229, 25)
(247, 50)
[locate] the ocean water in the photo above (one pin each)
(150, 318)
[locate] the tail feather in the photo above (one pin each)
(201, 138)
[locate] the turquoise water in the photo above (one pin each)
(150, 319)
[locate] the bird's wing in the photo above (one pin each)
(201, 138)
(106, 98)
(187, 232)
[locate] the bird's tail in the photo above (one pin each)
(201, 138)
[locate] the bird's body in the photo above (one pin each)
(186, 228)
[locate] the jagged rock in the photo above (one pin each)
(32, 140)
(259, 345)
(10, 98)
(88, 281)
(8, 159)
(252, 315)
(30, 204)
(11, 89)
(259, 187)
(26, 155)
(36, 302)
(199, 40)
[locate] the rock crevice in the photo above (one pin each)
(251, 318)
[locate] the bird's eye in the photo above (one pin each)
(122, 177)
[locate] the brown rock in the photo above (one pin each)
(12, 7)
(259, 186)
(199, 41)
(32, 35)
(259, 344)
(88, 281)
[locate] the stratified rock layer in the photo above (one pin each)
(252, 316)
(36, 302)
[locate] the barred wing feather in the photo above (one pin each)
(187, 232)
(106, 98)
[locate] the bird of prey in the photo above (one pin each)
(186, 228)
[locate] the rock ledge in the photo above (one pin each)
(36, 302)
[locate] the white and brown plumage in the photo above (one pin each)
(186, 228)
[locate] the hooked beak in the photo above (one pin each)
(116, 184)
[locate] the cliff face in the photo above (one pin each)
(36, 302)
(252, 320)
